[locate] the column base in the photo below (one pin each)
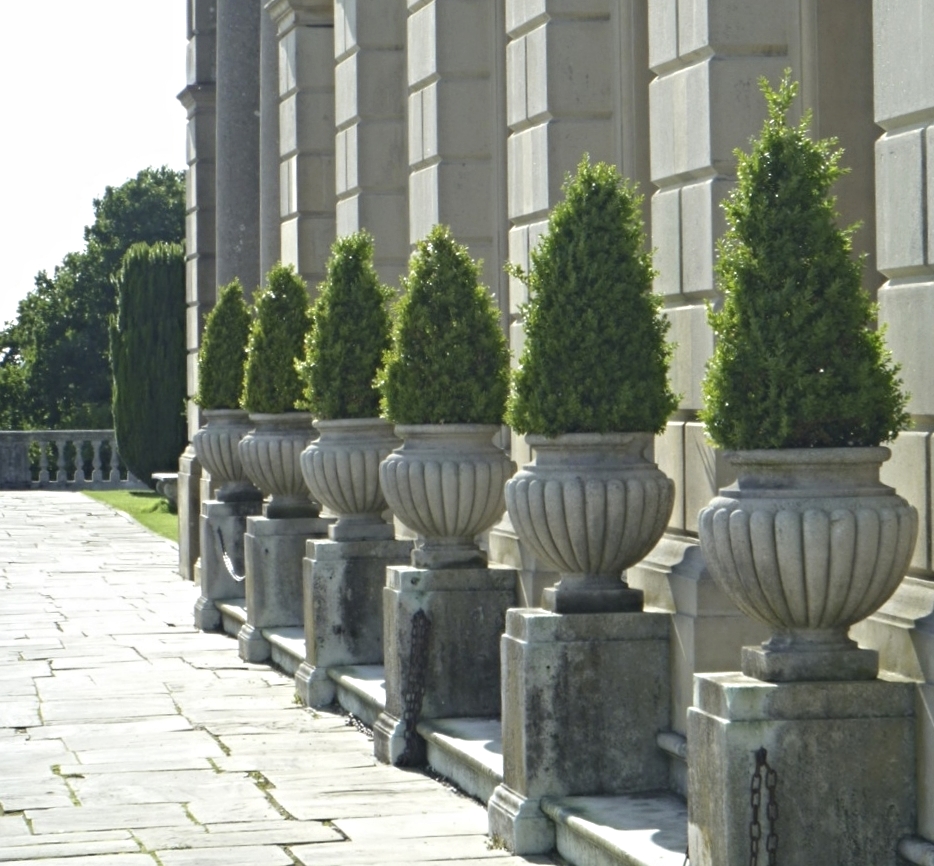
(253, 647)
(519, 823)
(207, 616)
(389, 742)
(843, 757)
(313, 686)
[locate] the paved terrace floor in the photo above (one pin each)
(128, 738)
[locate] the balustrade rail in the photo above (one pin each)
(62, 460)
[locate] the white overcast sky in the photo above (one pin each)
(89, 100)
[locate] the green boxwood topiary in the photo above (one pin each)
(448, 363)
(222, 355)
(595, 358)
(271, 383)
(797, 363)
(147, 351)
(349, 335)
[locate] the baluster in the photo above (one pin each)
(44, 446)
(79, 462)
(96, 474)
(114, 462)
(61, 475)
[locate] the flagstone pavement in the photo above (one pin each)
(129, 738)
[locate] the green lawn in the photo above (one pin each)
(147, 507)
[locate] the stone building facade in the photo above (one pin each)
(312, 118)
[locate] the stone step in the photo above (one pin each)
(361, 690)
(469, 752)
(233, 615)
(630, 830)
(288, 647)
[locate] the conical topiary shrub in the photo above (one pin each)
(595, 358)
(797, 362)
(271, 383)
(222, 355)
(147, 350)
(448, 363)
(349, 336)
(591, 390)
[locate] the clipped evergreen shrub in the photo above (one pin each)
(222, 355)
(350, 333)
(281, 320)
(448, 363)
(147, 351)
(797, 362)
(595, 358)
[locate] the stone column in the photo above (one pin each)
(904, 160)
(370, 94)
(707, 56)
(306, 133)
(238, 39)
(269, 241)
(576, 81)
(456, 128)
(198, 97)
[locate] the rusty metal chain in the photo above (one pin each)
(763, 774)
(414, 689)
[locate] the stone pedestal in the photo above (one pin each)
(584, 696)
(273, 549)
(466, 614)
(843, 757)
(343, 593)
(221, 530)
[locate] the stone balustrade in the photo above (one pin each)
(62, 460)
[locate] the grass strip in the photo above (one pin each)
(144, 506)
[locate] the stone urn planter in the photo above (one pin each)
(341, 469)
(446, 483)
(591, 505)
(808, 541)
(216, 445)
(271, 455)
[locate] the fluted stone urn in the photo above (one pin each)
(446, 483)
(271, 455)
(341, 469)
(808, 541)
(590, 505)
(216, 445)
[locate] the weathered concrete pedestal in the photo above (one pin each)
(843, 757)
(343, 603)
(274, 547)
(221, 531)
(584, 697)
(455, 672)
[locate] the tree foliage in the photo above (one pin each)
(54, 357)
(595, 358)
(147, 345)
(797, 362)
(271, 382)
(349, 335)
(222, 356)
(448, 363)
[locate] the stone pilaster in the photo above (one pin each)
(370, 94)
(238, 26)
(904, 162)
(198, 97)
(306, 133)
(269, 241)
(456, 115)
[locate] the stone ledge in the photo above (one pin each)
(288, 647)
(233, 614)
(361, 690)
(631, 830)
(469, 752)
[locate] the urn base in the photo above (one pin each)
(807, 655)
(591, 594)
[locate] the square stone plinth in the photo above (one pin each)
(844, 771)
(221, 529)
(585, 696)
(466, 614)
(343, 598)
(274, 549)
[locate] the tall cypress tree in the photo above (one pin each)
(147, 348)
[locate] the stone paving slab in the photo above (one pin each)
(128, 738)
